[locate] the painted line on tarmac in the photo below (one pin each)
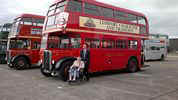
(145, 68)
(143, 75)
(59, 87)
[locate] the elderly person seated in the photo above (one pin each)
(75, 68)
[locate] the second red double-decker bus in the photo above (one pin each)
(24, 41)
(113, 34)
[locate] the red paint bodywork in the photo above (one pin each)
(99, 58)
(25, 33)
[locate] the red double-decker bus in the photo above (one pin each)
(113, 34)
(24, 41)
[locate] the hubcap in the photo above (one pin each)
(21, 63)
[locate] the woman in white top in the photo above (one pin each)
(75, 68)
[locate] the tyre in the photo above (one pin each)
(143, 60)
(132, 66)
(21, 63)
(162, 58)
(42, 69)
(64, 71)
(84, 78)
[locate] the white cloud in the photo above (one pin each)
(162, 14)
(10, 9)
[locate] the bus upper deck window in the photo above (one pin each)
(91, 9)
(119, 15)
(27, 21)
(141, 20)
(51, 10)
(132, 18)
(106, 12)
(74, 6)
(38, 22)
(60, 7)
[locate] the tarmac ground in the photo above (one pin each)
(157, 82)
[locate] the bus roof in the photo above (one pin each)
(108, 6)
(113, 7)
(31, 15)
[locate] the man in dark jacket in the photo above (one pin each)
(85, 56)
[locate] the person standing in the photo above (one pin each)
(85, 57)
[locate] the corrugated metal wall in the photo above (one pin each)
(173, 45)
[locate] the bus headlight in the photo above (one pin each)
(39, 62)
(53, 61)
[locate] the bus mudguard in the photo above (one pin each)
(59, 63)
(15, 57)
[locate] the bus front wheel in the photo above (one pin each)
(132, 66)
(64, 74)
(21, 63)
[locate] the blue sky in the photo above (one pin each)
(162, 14)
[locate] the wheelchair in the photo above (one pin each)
(80, 78)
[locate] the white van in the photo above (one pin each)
(155, 50)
